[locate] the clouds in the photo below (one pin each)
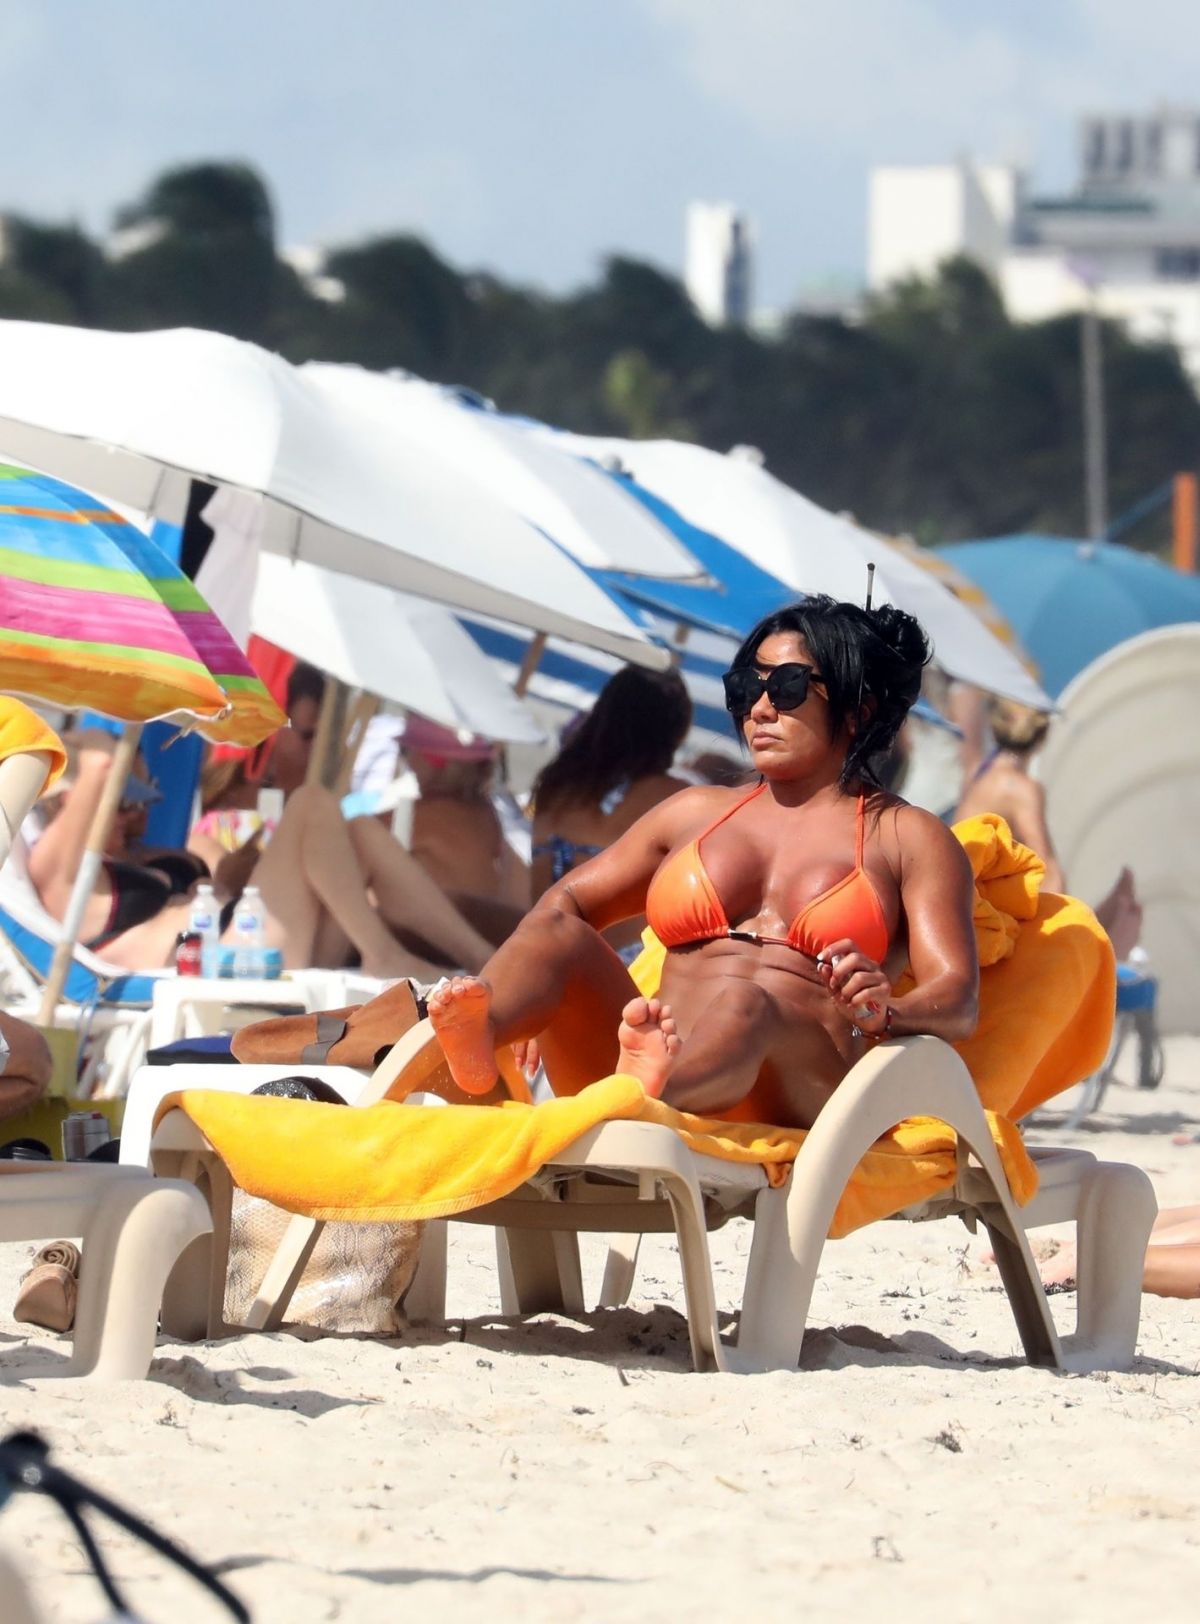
(532, 136)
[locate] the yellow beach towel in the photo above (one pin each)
(1047, 1000)
(22, 732)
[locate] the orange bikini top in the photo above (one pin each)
(682, 905)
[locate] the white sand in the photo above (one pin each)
(558, 1470)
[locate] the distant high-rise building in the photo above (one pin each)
(718, 263)
(1128, 236)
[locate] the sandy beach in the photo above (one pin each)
(562, 1469)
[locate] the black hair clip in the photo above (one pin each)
(870, 585)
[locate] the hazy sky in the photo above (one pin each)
(531, 136)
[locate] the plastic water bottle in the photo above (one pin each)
(249, 936)
(204, 921)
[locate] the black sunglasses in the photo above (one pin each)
(786, 686)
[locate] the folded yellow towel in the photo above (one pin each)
(1046, 1008)
(22, 732)
(392, 1162)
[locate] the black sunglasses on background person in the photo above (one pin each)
(786, 686)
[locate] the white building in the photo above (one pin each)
(718, 263)
(1130, 231)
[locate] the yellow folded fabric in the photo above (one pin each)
(392, 1162)
(1047, 997)
(22, 732)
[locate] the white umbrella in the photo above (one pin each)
(134, 415)
(399, 648)
(811, 549)
(575, 503)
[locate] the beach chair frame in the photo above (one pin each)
(630, 1178)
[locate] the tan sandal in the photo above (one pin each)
(50, 1288)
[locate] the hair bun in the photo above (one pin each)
(902, 633)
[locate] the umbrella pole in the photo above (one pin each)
(366, 707)
(330, 727)
(89, 868)
(530, 661)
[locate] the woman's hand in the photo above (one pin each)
(528, 1057)
(860, 988)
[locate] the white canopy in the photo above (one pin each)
(811, 549)
(577, 505)
(399, 648)
(133, 416)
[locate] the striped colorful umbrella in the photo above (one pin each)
(93, 614)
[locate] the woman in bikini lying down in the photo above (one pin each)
(787, 911)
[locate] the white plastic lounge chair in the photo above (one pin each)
(135, 1230)
(634, 1178)
(100, 1001)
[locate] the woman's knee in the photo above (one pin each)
(557, 931)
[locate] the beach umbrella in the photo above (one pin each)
(92, 613)
(395, 647)
(135, 416)
(702, 622)
(1072, 601)
(563, 495)
(734, 497)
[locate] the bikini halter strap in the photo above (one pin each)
(860, 825)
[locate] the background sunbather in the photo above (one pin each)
(329, 887)
(1003, 783)
(612, 767)
(784, 933)
(457, 835)
(1172, 1266)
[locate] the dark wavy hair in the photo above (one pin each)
(870, 661)
(632, 731)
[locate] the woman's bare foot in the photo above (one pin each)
(650, 1045)
(461, 1015)
(1058, 1273)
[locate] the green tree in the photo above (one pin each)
(208, 259)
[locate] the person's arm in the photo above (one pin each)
(612, 886)
(27, 1066)
(1035, 831)
(937, 893)
(55, 860)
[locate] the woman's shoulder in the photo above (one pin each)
(917, 833)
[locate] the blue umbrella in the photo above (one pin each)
(736, 595)
(1071, 601)
(703, 622)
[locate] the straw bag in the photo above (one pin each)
(357, 1274)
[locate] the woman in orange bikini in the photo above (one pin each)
(787, 912)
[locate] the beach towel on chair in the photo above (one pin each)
(1046, 1004)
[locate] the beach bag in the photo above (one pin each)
(357, 1274)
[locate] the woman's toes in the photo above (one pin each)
(637, 1012)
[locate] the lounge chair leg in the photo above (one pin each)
(131, 1246)
(1116, 1214)
(425, 1300)
(181, 1314)
(619, 1270)
(283, 1274)
(539, 1271)
(691, 1232)
(1026, 1297)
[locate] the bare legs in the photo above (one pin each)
(1172, 1267)
(557, 980)
(1120, 914)
(318, 868)
(410, 900)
